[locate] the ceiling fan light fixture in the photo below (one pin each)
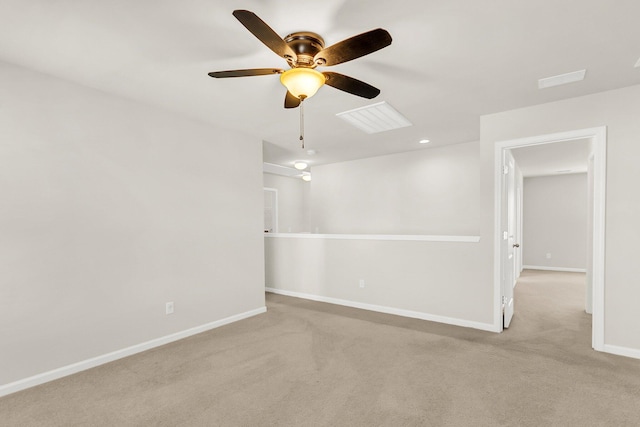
(302, 82)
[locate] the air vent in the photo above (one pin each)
(375, 118)
(561, 79)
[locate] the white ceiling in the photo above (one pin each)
(450, 61)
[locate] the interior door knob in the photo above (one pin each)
(516, 245)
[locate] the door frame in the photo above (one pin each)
(599, 137)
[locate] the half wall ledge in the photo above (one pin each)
(398, 237)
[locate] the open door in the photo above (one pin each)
(508, 242)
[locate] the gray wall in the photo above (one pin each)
(619, 111)
(555, 221)
(293, 202)
(109, 210)
(430, 191)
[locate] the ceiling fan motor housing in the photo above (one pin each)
(306, 45)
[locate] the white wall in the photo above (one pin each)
(555, 221)
(378, 178)
(293, 202)
(424, 279)
(619, 111)
(431, 191)
(109, 210)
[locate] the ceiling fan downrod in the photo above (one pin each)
(302, 121)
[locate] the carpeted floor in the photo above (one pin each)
(305, 363)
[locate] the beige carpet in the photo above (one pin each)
(311, 364)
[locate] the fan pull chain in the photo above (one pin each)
(302, 121)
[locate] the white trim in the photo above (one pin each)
(622, 351)
(599, 135)
(119, 354)
(599, 208)
(388, 310)
(567, 269)
(400, 237)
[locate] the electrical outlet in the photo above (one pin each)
(548, 255)
(361, 282)
(168, 308)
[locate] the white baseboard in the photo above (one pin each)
(119, 354)
(567, 269)
(622, 351)
(388, 310)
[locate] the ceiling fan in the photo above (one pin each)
(304, 51)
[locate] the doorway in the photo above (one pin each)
(556, 200)
(504, 276)
(551, 305)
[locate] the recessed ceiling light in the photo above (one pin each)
(424, 141)
(561, 79)
(300, 165)
(375, 118)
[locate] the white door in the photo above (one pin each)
(518, 219)
(508, 243)
(270, 210)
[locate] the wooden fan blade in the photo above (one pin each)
(351, 85)
(291, 101)
(264, 33)
(354, 47)
(245, 73)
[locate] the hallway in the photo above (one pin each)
(551, 304)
